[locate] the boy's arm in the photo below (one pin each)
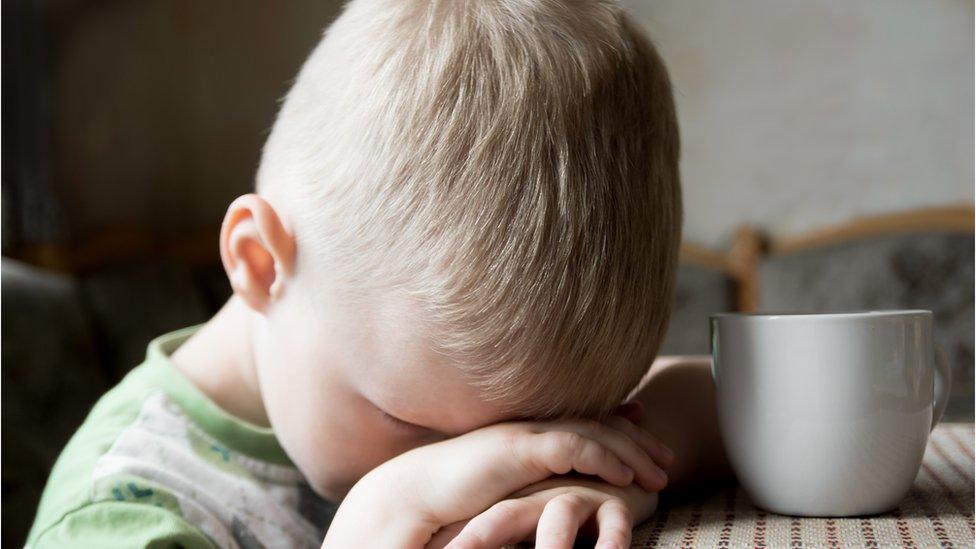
(120, 524)
(678, 397)
(409, 498)
(677, 406)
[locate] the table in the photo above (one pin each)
(938, 511)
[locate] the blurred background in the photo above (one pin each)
(827, 165)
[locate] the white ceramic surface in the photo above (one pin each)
(827, 414)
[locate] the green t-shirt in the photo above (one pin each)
(158, 464)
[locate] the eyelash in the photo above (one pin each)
(400, 424)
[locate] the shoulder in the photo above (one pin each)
(71, 485)
(120, 524)
(147, 457)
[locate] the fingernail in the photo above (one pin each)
(663, 474)
(629, 472)
(659, 481)
(668, 452)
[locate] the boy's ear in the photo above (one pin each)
(257, 250)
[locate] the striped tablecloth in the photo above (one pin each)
(938, 512)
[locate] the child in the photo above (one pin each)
(458, 263)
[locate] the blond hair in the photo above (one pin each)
(512, 167)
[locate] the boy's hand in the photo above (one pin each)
(551, 512)
(418, 492)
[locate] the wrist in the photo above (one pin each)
(377, 513)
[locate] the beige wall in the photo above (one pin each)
(794, 113)
(801, 113)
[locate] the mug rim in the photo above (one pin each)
(867, 313)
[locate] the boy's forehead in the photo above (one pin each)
(428, 390)
(439, 408)
(409, 379)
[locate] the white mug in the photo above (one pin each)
(827, 414)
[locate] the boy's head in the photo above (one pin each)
(480, 214)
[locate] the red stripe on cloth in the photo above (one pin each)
(904, 531)
(796, 535)
(950, 495)
(937, 525)
(759, 531)
(725, 536)
(870, 540)
(831, 534)
(691, 529)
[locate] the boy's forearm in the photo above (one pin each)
(678, 396)
(363, 520)
(344, 532)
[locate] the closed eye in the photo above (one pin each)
(404, 425)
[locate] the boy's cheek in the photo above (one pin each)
(330, 473)
(339, 454)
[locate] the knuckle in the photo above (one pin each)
(510, 434)
(570, 501)
(605, 455)
(505, 511)
(624, 428)
(566, 451)
(550, 451)
(512, 431)
(635, 436)
(470, 540)
(524, 458)
(631, 433)
(574, 443)
(517, 439)
(625, 513)
(593, 426)
(619, 423)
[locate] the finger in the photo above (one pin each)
(444, 536)
(561, 519)
(615, 522)
(648, 474)
(647, 445)
(631, 411)
(560, 452)
(508, 521)
(658, 450)
(654, 447)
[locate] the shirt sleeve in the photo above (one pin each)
(111, 524)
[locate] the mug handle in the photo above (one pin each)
(943, 382)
